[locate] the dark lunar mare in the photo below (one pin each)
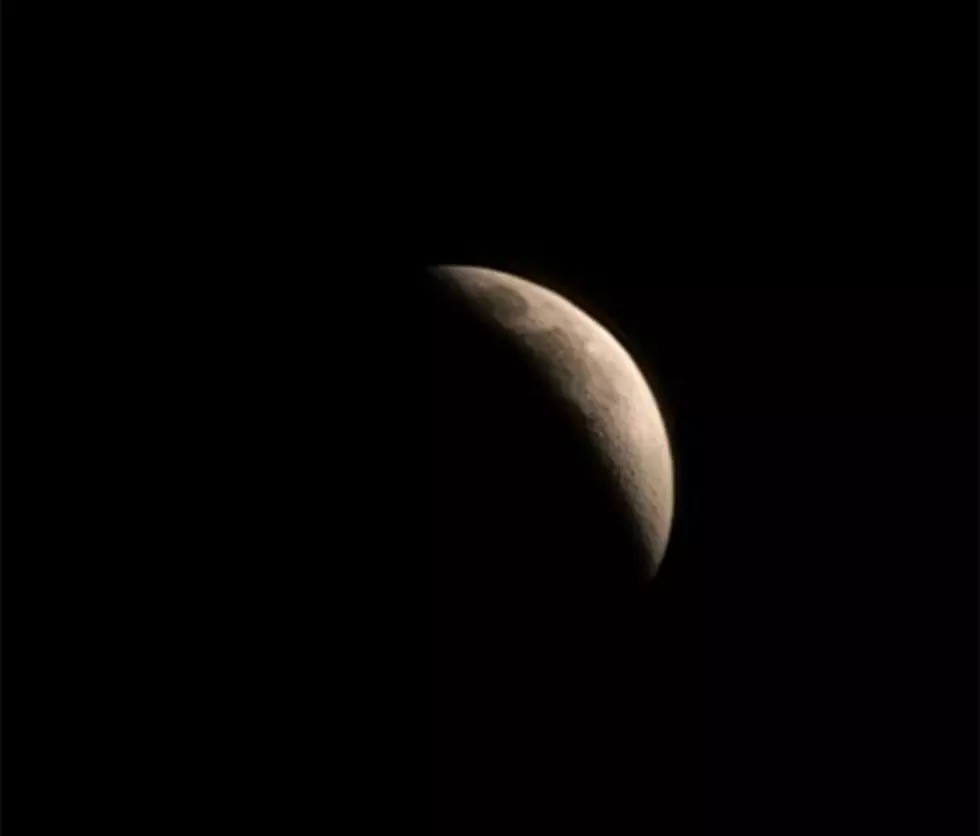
(536, 598)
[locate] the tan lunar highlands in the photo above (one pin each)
(597, 376)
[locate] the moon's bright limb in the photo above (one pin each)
(597, 376)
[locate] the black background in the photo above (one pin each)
(220, 363)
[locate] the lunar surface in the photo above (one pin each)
(597, 378)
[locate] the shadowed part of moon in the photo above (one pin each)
(504, 304)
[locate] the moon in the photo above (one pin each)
(595, 375)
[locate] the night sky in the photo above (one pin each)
(245, 449)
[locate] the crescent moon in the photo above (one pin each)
(595, 374)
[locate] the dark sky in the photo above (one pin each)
(224, 226)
